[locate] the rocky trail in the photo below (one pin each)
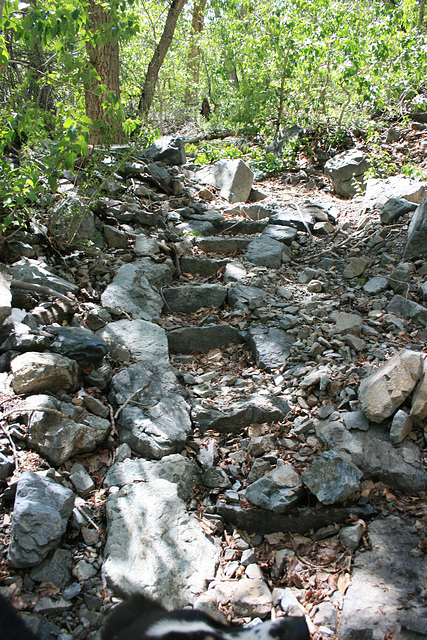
(225, 406)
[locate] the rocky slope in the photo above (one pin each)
(223, 406)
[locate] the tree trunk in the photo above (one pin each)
(159, 55)
(102, 106)
(193, 61)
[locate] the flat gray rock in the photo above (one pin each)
(201, 266)
(270, 347)
(280, 233)
(154, 546)
(202, 339)
(131, 292)
(40, 515)
(192, 297)
(265, 252)
(145, 340)
(157, 422)
(385, 584)
(223, 245)
(254, 410)
(300, 219)
(36, 272)
(243, 297)
(375, 285)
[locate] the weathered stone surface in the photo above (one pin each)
(160, 422)
(56, 568)
(7, 466)
(232, 177)
(265, 252)
(155, 546)
(243, 297)
(243, 227)
(130, 291)
(379, 191)
(247, 597)
(331, 478)
(278, 490)
(115, 238)
(419, 400)
(400, 278)
(168, 149)
(201, 266)
(356, 420)
(351, 536)
(280, 233)
(416, 244)
(35, 272)
(270, 347)
(348, 323)
(381, 393)
(355, 268)
(394, 208)
(40, 514)
(202, 339)
(145, 340)
(344, 169)
(40, 372)
(399, 467)
(254, 212)
(216, 478)
(385, 582)
(145, 246)
(254, 410)
(158, 173)
(173, 468)
(375, 285)
(223, 245)
(158, 274)
(300, 219)
(78, 344)
(60, 430)
(408, 309)
(5, 294)
(196, 228)
(401, 426)
(190, 298)
(81, 480)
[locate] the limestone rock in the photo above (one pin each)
(41, 372)
(40, 515)
(155, 546)
(381, 393)
(187, 299)
(331, 478)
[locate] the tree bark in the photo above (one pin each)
(193, 60)
(102, 104)
(159, 55)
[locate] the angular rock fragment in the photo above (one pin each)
(79, 344)
(202, 339)
(265, 252)
(232, 177)
(190, 298)
(419, 400)
(408, 309)
(155, 546)
(278, 490)
(44, 372)
(131, 292)
(145, 340)
(345, 169)
(416, 244)
(381, 393)
(331, 478)
(40, 515)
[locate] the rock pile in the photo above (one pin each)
(243, 388)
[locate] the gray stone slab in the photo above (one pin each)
(416, 244)
(385, 585)
(192, 297)
(201, 266)
(202, 339)
(265, 252)
(280, 233)
(270, 347)
(223, 245)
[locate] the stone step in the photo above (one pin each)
(192, 297)
(202, 339)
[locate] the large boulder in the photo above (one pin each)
(232, 177)
(168, 149)
(40, 515)
(345, 169)
(416, 244)
(379, 191)
(155, 546)
(381, 393)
